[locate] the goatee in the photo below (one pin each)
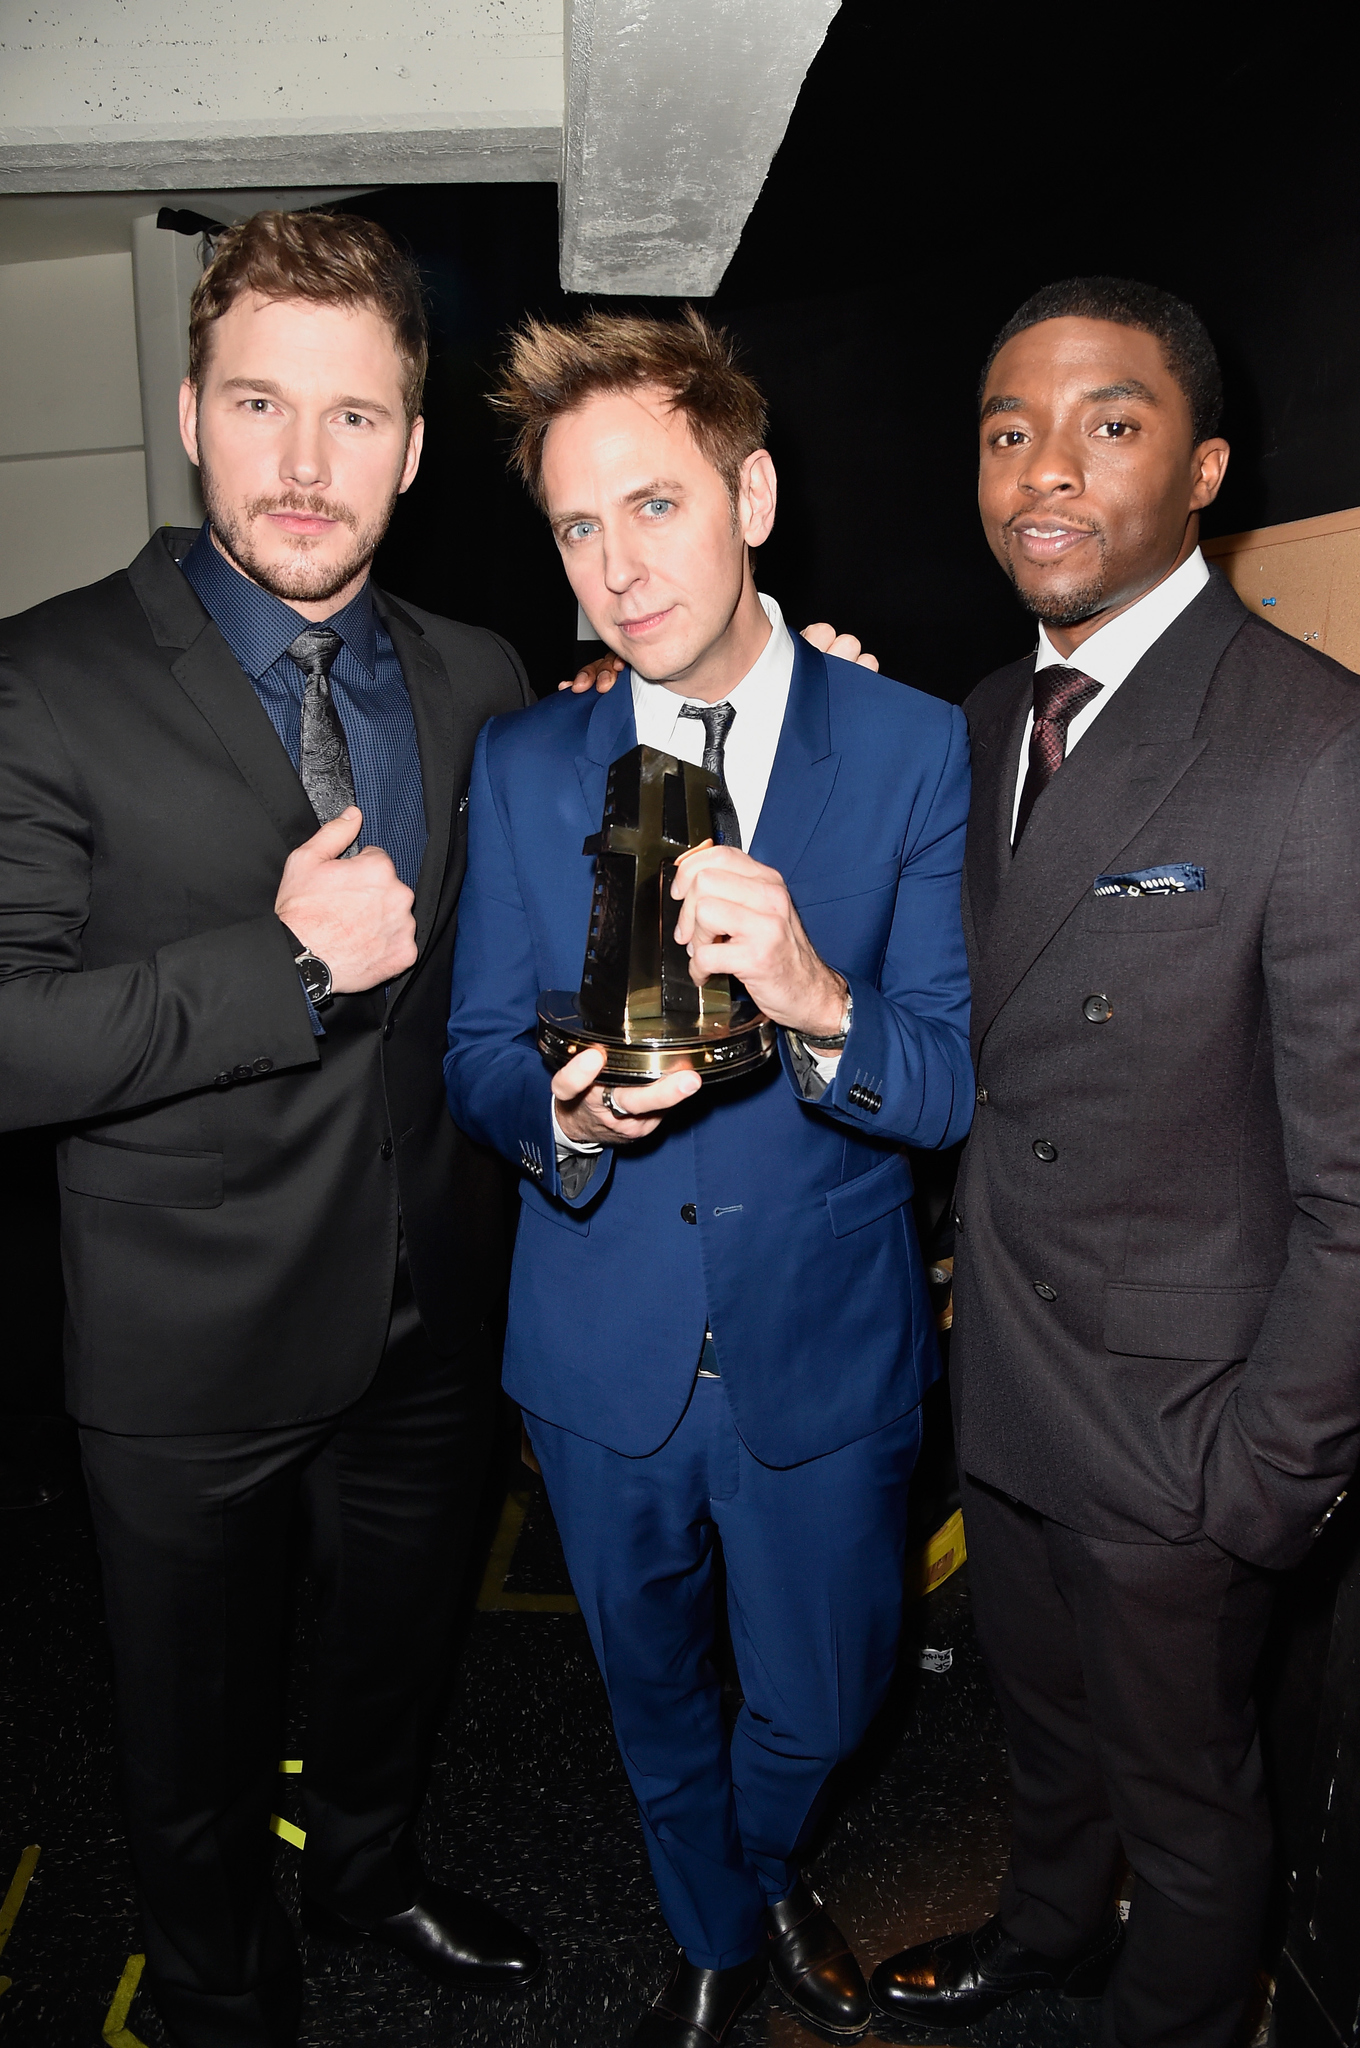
(303, 579)
(1062, 607)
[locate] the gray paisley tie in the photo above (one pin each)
(716, 720)
(324, 766)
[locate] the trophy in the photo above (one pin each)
(636, 998)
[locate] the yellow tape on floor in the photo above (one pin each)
(14, 1898)
(938, 1559)
(493, 1597)
(115, 2029)
(286, 1832)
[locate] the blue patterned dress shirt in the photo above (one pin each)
(367, 688)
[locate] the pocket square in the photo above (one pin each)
(1172, 880)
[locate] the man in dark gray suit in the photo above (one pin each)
(1156, 1354)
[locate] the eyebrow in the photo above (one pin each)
(270, 389)
(995, 405)
(1129, 388)
(659, 487)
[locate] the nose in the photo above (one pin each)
(304, 458)
(622, 567)
(1052, 467)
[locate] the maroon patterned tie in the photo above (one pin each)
(1059, 694)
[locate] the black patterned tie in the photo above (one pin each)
(717, 721)
(324, 764)
(1059, 694)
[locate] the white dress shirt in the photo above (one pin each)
(759, 700)
(1112, 654)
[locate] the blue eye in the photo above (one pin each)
(658, 505)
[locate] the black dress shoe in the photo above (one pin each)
(23, 1489)
(455, 1940)
(811, 1963)
(955, 1981)
(699, 2007)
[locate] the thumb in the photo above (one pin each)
(578, 1074)
(339, 832)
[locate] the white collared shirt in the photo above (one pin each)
(1112, 654)
(760, 700)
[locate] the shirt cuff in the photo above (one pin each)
(318, 1028)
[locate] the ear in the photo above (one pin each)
(1209, 465)
(188, 420)
(757, 491)
(415, 442)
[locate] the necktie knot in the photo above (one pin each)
(1060, 693)
(716, 720)
(314, 651)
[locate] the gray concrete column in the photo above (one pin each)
(674, 110)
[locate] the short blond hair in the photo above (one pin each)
(552, 370)
(333, 259)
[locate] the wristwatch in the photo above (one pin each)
(836, 1043)
(314, 973)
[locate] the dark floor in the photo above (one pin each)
(528, 1803)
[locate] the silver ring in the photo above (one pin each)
(607, 1098)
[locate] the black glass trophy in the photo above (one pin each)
(636, 998)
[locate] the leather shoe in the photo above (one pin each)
(811, 1963)
(455, 1940)
(955, 1981)
(699, 2007)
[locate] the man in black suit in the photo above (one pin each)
(280, 1255)
(1156, 1350)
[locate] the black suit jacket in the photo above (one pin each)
(230, 1183)
(1157, 1331)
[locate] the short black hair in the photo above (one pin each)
(1189, 353)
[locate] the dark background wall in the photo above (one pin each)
(931, 178)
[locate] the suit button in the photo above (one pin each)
(1044, 1149)
(689, 1214)
(958, 1223)
(1044, 1291)
(389, 1027)
(982, 1095)
(221, 1080)
(263, 1067)
(241, 1073)
(385, 1149)
(1097, 1009)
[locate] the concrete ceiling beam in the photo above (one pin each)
(674, 110)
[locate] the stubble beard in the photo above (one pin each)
(303, 579)
(1070, 607)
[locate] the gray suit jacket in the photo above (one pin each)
(1157, 1330)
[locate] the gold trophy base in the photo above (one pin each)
(714, 1050)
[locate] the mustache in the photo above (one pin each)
(310, 503)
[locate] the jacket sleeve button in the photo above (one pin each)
(263, 1066)
(242, 1073)
(688, 1213)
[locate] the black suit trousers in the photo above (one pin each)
(194, 1540)
(1124, 1673)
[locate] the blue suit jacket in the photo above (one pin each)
(804, 1259)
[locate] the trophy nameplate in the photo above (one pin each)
(637, 998)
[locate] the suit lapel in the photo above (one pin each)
(995, 743)
(430, 689)
(804, 770)
(211, 677)
(612, 731)
(1123, 770)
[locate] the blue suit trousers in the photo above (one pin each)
(814, 1555)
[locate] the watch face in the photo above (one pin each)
(316, 977)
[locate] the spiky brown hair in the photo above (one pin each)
(551, 370)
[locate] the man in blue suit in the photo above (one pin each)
(718, 1320)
